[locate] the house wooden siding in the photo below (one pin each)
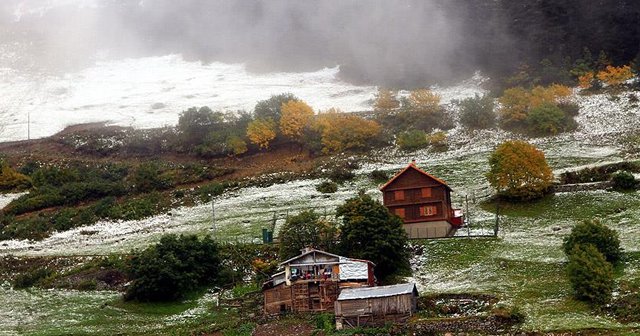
(302, 296)
(375, 311)
(312, 281)
(419, 198)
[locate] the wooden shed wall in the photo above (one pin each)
(277, 298)
(390, 305)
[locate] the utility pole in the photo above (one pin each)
(467, 216)
(497, 227)
(213, 217)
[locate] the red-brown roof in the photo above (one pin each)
(412, 165)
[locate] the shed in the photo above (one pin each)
(375, 306)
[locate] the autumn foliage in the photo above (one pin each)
(615, 76)
(517, 105)
(518, 170)
(386, 100)
(339, 131)
(424, 100)
(261, 132)
(296, 115)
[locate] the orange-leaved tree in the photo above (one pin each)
(516, 103)
(586, 81)
(518, 170)
(296, 115)
(615, 76)
(261, 132)
(341, 131)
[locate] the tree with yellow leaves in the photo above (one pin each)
(518, 170)
(516, 103)
(296, 115)
(340, 131)
(261, 132)
(424, 100)
(386, 100)
(586, 81)
(615, 76)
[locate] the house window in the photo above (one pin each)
(398, 195)
(426, 192)
(399, 212)
(429, 210)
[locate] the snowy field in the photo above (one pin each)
(524, 267)
(151, 92)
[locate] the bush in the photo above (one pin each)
(412, 140)
(341, 175)
(147, 178)
(12, 180)
(545, 119)
(623, 180)
(438, 141)
(327, 187)
(379, 176)
(595, 233)
(519, 171)
(477, 112)
(172, 268)
(31, 278)
(590, 274)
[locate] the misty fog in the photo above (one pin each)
(382, 39)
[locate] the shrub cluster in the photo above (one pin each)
(174, 267)
(477, 112)
(539, 111)
(623, 180)
(327, 187)
(412, 140)
(592, 249)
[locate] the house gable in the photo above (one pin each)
(413, 177)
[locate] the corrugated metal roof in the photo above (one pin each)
(352, 269)
(372, 292)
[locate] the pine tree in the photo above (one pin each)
(590, 274)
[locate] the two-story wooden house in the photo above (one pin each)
(312, 281)
(423, 202)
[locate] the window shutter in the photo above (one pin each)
(398, 195)
(426, 192)
(400, 212)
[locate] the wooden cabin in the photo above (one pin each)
(423, 201)
(312, 281)
(375, 306)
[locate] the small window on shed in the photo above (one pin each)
(398, 195)
(400, 212)
(428, 210)
(426, 192)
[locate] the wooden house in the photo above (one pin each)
(375, 306)
(312, 281)
(423, 201)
